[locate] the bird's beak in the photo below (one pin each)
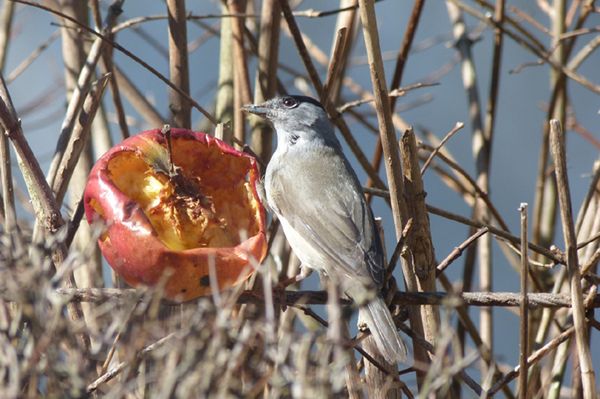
(259, 110)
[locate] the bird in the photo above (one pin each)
(319, 201)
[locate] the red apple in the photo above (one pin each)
(173, 212)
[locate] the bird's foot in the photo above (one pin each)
(280, 288)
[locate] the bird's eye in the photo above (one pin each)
(290, 102)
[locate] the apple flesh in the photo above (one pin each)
(170, 211)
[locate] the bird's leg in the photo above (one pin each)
(305, 271)
(279, 289)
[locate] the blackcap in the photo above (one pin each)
(319, 201)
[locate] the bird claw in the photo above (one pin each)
(280, 288)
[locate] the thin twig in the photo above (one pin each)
(112, 373)
(457, 252)
(312, 13)
(479, 192)
(398, 249)
(398, 92)
(23, 65)
(533, 359)
(108, 67)
(448, 136)
(498, 232)
(348, 21)
(523, 308)
(526, 17)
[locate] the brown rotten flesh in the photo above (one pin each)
(170, 214)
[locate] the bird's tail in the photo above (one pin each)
(379, 320)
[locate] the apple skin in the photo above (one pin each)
(130, 242)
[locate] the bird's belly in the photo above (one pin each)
(304, 250)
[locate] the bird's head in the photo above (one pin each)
(295, 117)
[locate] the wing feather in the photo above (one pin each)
(328, 226)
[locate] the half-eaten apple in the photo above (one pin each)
(178, 205)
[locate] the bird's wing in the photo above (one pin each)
(333, 223)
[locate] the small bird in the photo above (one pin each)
(319, 201)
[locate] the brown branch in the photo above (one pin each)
(490, 112)
(266, 75)
(405, 46)
(44, 204)
(312, 13)
(338, 57)
(420, 242)
(242, 93)
(527, 18)
(566, 213)
(8, 211)
(224, 95)
(178, 64)
(6, 19)
(423, 321)
(348, 21)
(78, 139)
(393, 165)
(308, 297)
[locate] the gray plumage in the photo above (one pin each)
(319, 201)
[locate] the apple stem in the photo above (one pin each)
(166, 131)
